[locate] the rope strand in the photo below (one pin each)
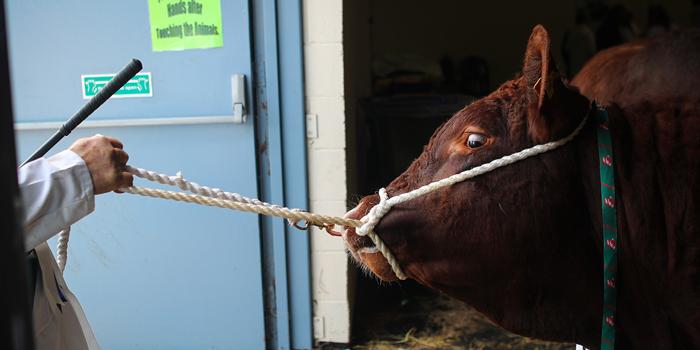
(62, 248)
(290, 214)
(218, 198)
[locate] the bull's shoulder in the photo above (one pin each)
(606, 73)
(657, 165)
(653, 69)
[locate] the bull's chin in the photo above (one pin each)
(366, 254)
(376, 263)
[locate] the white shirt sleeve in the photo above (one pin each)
(56, 192)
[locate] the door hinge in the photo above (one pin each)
(311, 126)
(319, 328)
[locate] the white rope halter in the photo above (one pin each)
(364, 227)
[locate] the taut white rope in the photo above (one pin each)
(291, 215)
(365, 227)
(218, 198)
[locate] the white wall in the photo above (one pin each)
(325, 102)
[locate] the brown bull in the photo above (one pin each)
(522, 244)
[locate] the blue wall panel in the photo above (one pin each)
(151, 274)
(53, 42)
(295, 176)
(156, 274)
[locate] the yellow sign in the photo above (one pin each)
(183, 25)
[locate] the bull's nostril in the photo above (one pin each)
(368, 250)
(363, 242)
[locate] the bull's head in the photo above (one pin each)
(509, 239)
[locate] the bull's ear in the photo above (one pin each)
(542, 79)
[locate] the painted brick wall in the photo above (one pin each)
(325, 108)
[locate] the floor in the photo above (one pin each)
(409, 316)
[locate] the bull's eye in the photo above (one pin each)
(476, 140)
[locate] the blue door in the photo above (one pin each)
(150, 274)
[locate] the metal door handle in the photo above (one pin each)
(238, 98)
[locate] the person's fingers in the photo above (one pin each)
(120, 156)
(114, 142)
(124, 179)
(127, 179)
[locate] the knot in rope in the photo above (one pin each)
(375, 214)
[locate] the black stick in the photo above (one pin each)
(95, 102)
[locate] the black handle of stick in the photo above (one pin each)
(95, 102)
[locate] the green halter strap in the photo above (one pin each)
(607, 197)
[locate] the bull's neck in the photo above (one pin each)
(568, 300)
(562, 304)
(574, 314)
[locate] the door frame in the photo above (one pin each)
(278, 84)
(16, 319)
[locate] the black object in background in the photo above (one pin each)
(95, 102)
(15, 311)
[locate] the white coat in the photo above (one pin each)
(56, 192)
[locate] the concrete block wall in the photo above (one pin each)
(325, 109)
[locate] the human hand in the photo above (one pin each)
(106, 160)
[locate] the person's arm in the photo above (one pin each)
(56, 192)
(60, 190)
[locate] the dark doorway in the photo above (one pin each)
(408, 67)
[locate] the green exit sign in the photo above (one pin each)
(138, 86)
